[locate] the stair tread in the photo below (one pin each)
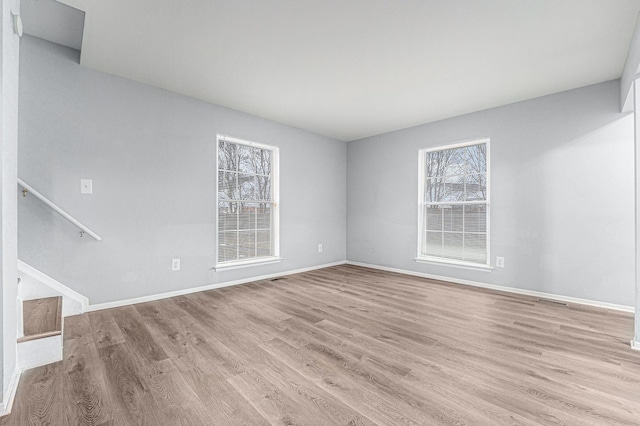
(42, 317)
(38, 336)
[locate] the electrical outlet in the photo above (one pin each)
(319, 248)
(86, 186)
(499, 262)
(175, 264)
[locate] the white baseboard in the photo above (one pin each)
(635, 344)
(623, 308)
(159, 296)
(7, 401)
(54, 284)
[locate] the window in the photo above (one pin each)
(454, 204)
(247, 230)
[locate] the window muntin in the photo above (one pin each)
(454, 204)
(247, 226)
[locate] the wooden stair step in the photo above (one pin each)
(38, 336)
(42, 318)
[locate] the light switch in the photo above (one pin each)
(86, 186)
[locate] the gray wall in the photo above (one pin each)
(562, 195)
(9, 52)
(151, 155)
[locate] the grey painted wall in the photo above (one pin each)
(9, 52)
(562, 195)
(151, 155)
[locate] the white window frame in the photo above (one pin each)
(275, 206)
(422, 203)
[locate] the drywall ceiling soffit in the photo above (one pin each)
(363, 67)
(630, 71)
(53, 21)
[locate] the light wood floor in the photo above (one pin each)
(339, 346)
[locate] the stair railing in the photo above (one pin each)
(83, 229)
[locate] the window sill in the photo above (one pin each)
(454, 263)
(247, 263)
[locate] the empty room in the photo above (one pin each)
(320, 212)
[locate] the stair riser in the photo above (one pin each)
(35, 353)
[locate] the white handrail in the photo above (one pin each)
(58, 210)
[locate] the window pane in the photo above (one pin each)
(222, 159)
(433, 244)
(452, 245)
(453, 188)
(227, 246)
(227, 156)
(264, 243)
(263, 214)
(433, 218)
(227, 217)
(452, 217)
(476, 159)
(263, 161)
(246, 163)
(435, 163)
(455, 160)
(247, 216)
(263, 188)
(247, 184)
(475, 248)
(434, 190)
(247, 244)
(450, 188)
(476, 187)
(228, 186)
(475, 218)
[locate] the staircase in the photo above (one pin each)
(42, 340)
(42, 305)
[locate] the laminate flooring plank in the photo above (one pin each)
(435, 300)
(304, 394)
(209, 346)
(166, 335)
(84, 384)
(256, 310)
(273, 405)
(39, 400)
(419, 396)
(142, 345)
(105, 329)
(284, 379)
(176, 401)
(133, 403)
(467, 340)
(77, 327)
(225, 405)
(440, 367)
(379, 408)
(578, 314)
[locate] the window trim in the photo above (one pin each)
(422, 154)
(275, 185)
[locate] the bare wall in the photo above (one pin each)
(562, 196)
(151, 155)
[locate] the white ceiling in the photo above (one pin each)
(356, 68)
